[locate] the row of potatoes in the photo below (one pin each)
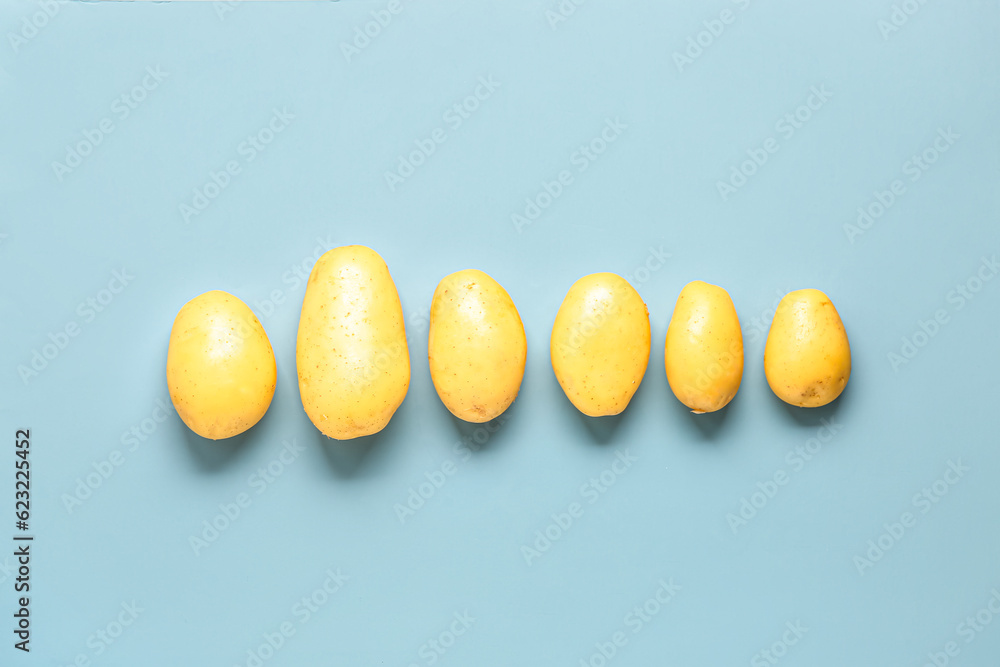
(354, 366)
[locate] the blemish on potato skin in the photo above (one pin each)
(807, 357)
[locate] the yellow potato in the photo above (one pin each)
(600, 344)
(220, 366)
(807, 358)
(703, 352)
(476, 346)
(353, 364)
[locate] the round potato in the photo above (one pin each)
(703, 352)
(476, 346)
(351, 354)
(807, 358)
(600, 344)
(220, 366)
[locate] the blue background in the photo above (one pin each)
(321, 183)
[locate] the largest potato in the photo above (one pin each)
(353, 363)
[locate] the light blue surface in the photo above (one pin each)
(321, 182)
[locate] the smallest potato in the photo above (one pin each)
(476, 346)
(220, 366)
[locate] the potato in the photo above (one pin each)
(703, 352)
(351, 354)
(220, 366)
(476, 346)
(807, 358)
(600, 344)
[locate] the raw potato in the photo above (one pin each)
(476, 346)
(351, 354)
(220, 366)
(703, 352)
(807, 358)
(600, 344)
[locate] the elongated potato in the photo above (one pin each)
(353, 363)
(600, 344)
(703, 352)
(476, 346)
(807, 357)
(220, 366)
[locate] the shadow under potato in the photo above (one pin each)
(601, 429)
(212, 455)
(471, 433)
(709, 424)
(349, 458)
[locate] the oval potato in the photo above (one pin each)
(807, 358)
(600, 344)
(220, 366)
(703, 352)
(476, 346)
(351, 354)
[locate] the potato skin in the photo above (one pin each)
(807, 358)
(600, 344)
(351, 354)
(476, 346)
(221, 371)
(703, 351)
